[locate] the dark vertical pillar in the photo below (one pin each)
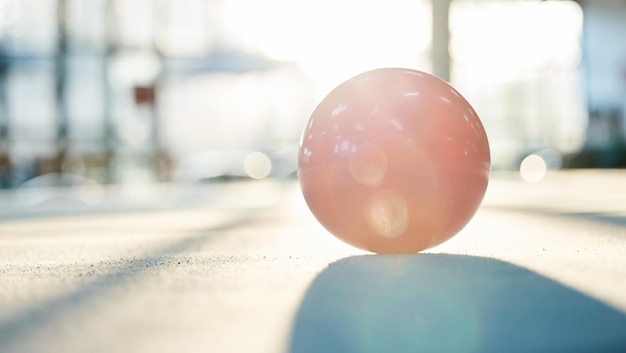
(60, 87)
(441, 39)
(109, 125)
(159, 154)
(5, 144)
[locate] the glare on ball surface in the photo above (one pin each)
(394, 161)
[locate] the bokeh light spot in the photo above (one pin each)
(533, 168)
(257, 165)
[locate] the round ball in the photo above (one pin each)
(394, 161)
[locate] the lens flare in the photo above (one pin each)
(368, 164)
(387, 214)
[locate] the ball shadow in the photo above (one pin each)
(448, 303)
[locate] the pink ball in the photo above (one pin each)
(394, 161)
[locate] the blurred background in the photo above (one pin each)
(134, 92)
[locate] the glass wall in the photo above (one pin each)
(137, 90)
(518, 62)
(120, 91)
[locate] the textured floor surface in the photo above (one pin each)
(243, 267)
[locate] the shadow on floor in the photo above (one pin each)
(31, 329)
(448, 303)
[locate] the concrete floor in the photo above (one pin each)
(244, 267)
